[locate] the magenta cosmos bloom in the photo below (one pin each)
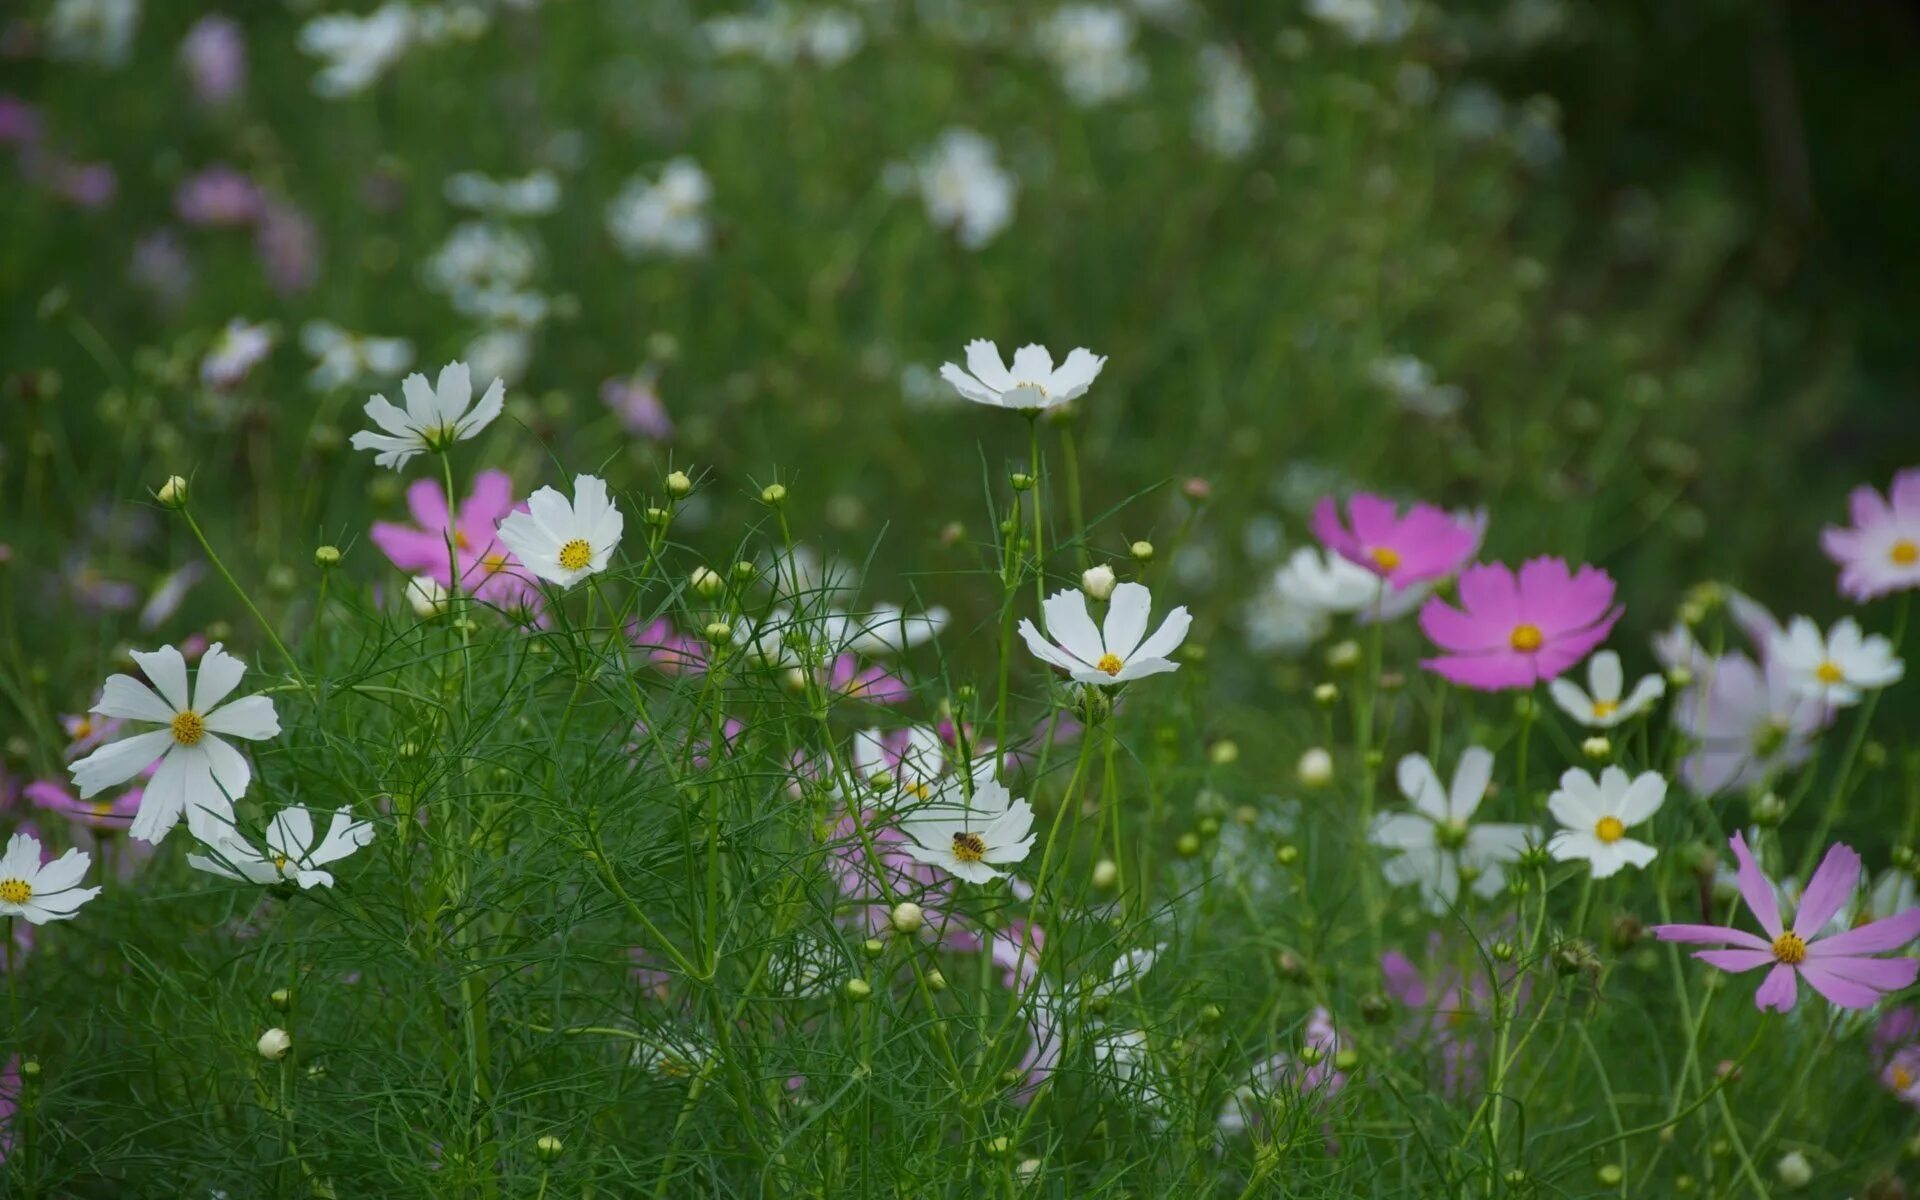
(1424, 543)
(1515, 630)
(1880, 551)
(488, 571)
(1840, 966)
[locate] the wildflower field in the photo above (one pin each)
(930, 598)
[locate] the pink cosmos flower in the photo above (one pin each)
(1452, 1011)
(1839, 966)
(906, 879)
(1516, 630)
(214, 53)
(848, 677)
(1424, 543)
(1748, 723)
(218, 197)
(287, 243)
(488, 571)
(1880, 551)
(114, 814)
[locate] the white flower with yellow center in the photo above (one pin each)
(1112, 653)
(198, 768)
(41, 892)
(1031, 385)
(1838, 668)
(1437, 847)
(436, 416)
(291, 854)
(564, 543)
(1601, 707)
(1597, 813)
(969, 838)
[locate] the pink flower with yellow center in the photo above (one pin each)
(1515, 629)
(1402, 548)
(1880, 552)
(488, 571)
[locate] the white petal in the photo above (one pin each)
(218, 675)
(117, 762)
(250, 717)
(1127, 612)
(1603, 673)
(168, 671)
(983, 359)
(125, 696)
(1470, 781)
(1069, 624)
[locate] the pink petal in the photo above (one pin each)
(428, 503)
(490, 500)
(1463, 633)
(1403, 979)
(1905, 494)
(1735, 960)
(412, 550)
(1756, 890)
(1867, 508)
(1832, 883)
(1374, 519)
(1778, 991)
(1889, 933)
(1492, 594)
(1711, 933)
(1327, 527)
(1848, 992)
(1561, 603)
(1565, 651)
(1484, 672)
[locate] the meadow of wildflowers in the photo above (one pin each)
(915, 598)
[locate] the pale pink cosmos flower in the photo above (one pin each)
(1880, 552)
(1513, 630)
(214, 53)
(488, 570)
(1747, 722)
(1402, 548)
(219, 197)
(1840, 966)
(635, 400)
(664, 647)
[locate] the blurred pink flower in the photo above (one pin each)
(214, 53)
(1513, 631)
(1840, 966)
(288, 247)
(1424, 543)
(488, 572)
(1747, 723)
(218, 197)
(1880, 552)
(666, 648)
(636, 401)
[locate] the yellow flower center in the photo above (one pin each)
(82, 728)
(188, 727)
(1384, 557)
(1609, 829)
(575, 555)
(493, 564)
(1905, 552)
(1110, 663)
(916, 789)
(102, 808)
(1790, 948)
(460, 540)
(15, 891)
(1527, 638)
(967, 847)
(1602, 709)
(1902, 1078)
(279, 862)
(1829, 672)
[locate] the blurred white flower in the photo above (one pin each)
(41, 892)
(1602, 707)
(666, 216)
(346, 358)
(1411, 383)
(427, 596)
(239, 348)
(291, 855)
(564, 543)
(1321, 579)
(1436, 847)
(504, 353)
(437, 415)
(356, 50)
(198, 770)
(1032, 383)
(1836, 669)
(1364, 20)
(964, 187)
(1277, 624)
(479, 257)
(782, 36)
(533, 195)
(97, 31)
(1091, 46)
(1226, 117)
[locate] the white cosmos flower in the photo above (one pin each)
(345, 357)
(198, 769)
(436, 416)
(667, 216)
(1130, 968)
(291, 853)
(1601, 706)
(1112, 654)
(1597, 815)
(41, 892)
(1436, 841)
(1320, 579)
(968, 839)
(965, 188)
(564, 543)
(1836, 668)
(1032, 384)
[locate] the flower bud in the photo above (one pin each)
(1597, 748)
(1609, 1175)
(1346, 1060)
(774, 495)
(1106, 873)
(718, 633)
(1375, 1009)
(1343, 656)
(906, 917)
(659, 518)
(274, 1044)
(1286, 854)
(1142, 551)
(172, 493)
(1794, 1170)
(873, 947)
(1224, 752)
(1315, 769)
(426, 596)
(1769, 810)
(744, 571)
(1097, 582)
(936, 982)
(1187, 845)
(856, 990)
(549, 1148)
(706, 583)
(1326, 695)
(281, 999)
(326, 557)
(679, 486)
(1021, 482)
